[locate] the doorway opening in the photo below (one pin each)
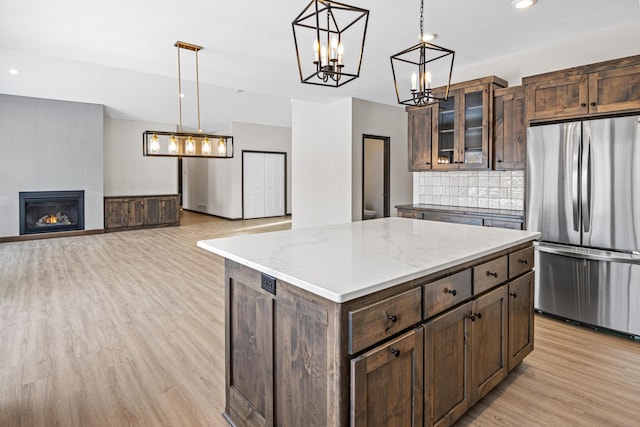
(376, 151)
(264, 184)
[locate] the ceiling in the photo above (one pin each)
(120, 53)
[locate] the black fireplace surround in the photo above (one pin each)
(51, 211)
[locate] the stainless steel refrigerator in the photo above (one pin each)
(583, 195)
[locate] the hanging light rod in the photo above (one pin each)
(187, 144)
(415, 65)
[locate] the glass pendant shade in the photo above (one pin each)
(222, 147)
(155, 144)
(190, 145)
(173, 145)
(206, 146)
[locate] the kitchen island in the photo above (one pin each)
(383, 322)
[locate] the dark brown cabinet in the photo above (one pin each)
(462, 217)
(132, 212)
(447, 370)
(521, 294)
(386, 386)
(419, 137)
(418, 354)
(489, 334)
(591, 90)
(509, 129)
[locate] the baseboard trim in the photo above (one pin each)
(39, 236)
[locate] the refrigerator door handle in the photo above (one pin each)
(575, 158)
(586, 179)
(589, 254)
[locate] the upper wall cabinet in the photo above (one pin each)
(457, 133)
(601, 88)
(509, 129)
(419, 132)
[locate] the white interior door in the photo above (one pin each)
(263, 175)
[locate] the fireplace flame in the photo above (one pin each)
(51, 219)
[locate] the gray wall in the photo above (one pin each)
(48, 145)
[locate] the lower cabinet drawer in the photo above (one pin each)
(447, 217)
(501, 223)
(446, 292)
(383, 319)
(490, 274)
(520, 262)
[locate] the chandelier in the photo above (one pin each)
(328, 55)
(412, 69)
(187, 144)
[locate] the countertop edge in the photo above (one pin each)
(342, 298)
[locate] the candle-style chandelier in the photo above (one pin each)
(187, 144)
(328, 55)
(412, 69)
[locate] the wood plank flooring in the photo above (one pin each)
(127, 329)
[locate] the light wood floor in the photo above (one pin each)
(127, 329)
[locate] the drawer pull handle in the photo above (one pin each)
(478, 315)
(452, 292)
(523, 261)
(495, 274)
(472, 317)
(395, 352)
(593, 104)
(513, 294)
(393, 318)
(584, 104)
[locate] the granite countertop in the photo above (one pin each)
(346, 261)
(464, 209)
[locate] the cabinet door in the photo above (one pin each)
(447, 364)
(115, 212)
(420, 139)
(616, 90)
(444, 143)
(559, 98)
(520, 319)
(135, 212)
(151, 210)
(489, 342)
(386, 383)
(169, 210)
(509, 129)
(249, 318)
(474, 115)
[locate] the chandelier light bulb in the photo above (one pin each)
(316, 51)
(222, 148)
(206, 146)
(173, 145)
(323, 55)
(155, 144)
(427, 37)
(414, 81)
(523, 4)
(190, 145)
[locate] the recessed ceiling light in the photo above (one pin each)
(14, 71)
(427, 37)
(523, 4)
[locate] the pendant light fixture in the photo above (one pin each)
(186, 144)
(413, 67)
(327, 54)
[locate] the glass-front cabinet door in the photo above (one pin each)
(445, 145)
(474, 144)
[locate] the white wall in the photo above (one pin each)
(371, 118)
(48, 145)
(126, 171)
(321, 163)
(214, 186)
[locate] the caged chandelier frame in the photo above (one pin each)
(328, 22)
(421, 56)
(187, 144)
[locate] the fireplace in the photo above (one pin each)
(51, 211)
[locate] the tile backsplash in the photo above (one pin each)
(478, 189)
